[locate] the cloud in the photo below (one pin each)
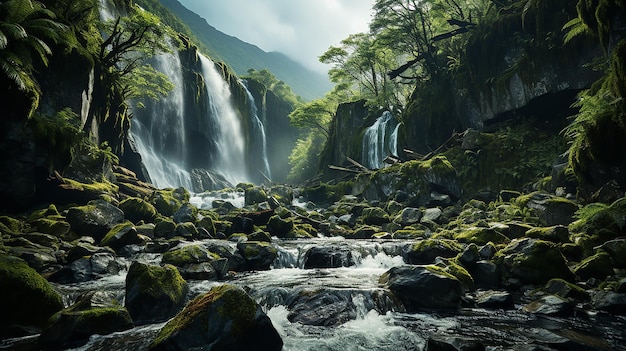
(301, 29)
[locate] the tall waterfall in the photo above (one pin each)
(259, 132)
(380, 140)
(229, 140)
(159, 130)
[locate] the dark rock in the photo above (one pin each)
(258, 255)
(495, 299)
(223, 319)
(187, 254)
(241, 224)
(186, 230)
(609, 301)
(260, 236)
(199, 271)
(552, 210)
(154, 294)
(470, 255)
(486, 274)
(617, 250)
(74, 325)
(82, 249)
(422, 287)
(120, 235)
(322, 308)
(426, 251)
(27, 298)
(186, 213)
(254, 195)
(328, 256)
(95, 219)
(560, 287)
(557, 233)
(453, 343)
(409, 216)
(533, 261)
(598, 266)
(136, 209)
(164, 228)
(550, 305)
(508, 195)
(279, 227)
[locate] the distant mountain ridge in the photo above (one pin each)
(241, 56)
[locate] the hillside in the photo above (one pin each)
(242, 56)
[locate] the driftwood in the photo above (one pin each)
(358, 165)
(343, 169)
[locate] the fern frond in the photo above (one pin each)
(575, 27)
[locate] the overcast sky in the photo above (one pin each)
(301, 29)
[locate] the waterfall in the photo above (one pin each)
(259, 131)
(380, 140)
(229, 139)
(106, 14)
(159, 129)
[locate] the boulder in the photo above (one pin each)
(121, 235)
(551, 210)
(254, 195)
(423, 287)
(136, 209)
(259, 255)
(223, 319)
(550, 305)
(532, 261)
(427, 250)
(328, 256)
(94, 219)
(495, 299)
(91, 314)
(409, 216)
(186, 213)
(453, 343)
(28, 300)
(610, 301)
(153, 293)
(279, 227)
(598, 266)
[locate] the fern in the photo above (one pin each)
(575, 27)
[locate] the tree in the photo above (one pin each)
(26, 30)
(278, 87)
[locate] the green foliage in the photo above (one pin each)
(278, 87)
(304, 158)
(27, 29)
(58, 134)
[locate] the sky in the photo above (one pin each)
(300, 29)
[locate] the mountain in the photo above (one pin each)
(241, 56)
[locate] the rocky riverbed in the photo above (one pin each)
(395, 260)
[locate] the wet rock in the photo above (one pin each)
(87, 268)
(560, 287)
(328, 256)
(168, 201)
(279, 227)
(37, 256)
(326, 307)
(610, 301)
(186, 213)
(254, 195)
(74, 325)
(235, 262)
(164, 228)
(153, 293)
(486, 274)
(598, 266)
(225, 318)
(495, 299)
(551, 210)
(426, 251)
(258, 255)
(136, 209)
(82, 249)
(422, 287)
(241, 224)
(186, 230)
(556, 234)
(550, 305)
(617, 250)
(28, 300)
(187, 254)
(121, 235)
(260, 236)
(453, 343)
(95, 219)
(374, 216)
(409, 216)
(363, 232)
(532, 261)
(470, 255)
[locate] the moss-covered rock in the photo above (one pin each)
(617, 250)
(27, 298)
(11, 225)
(565, 289)
(258, 255)
(532, 261)
(74, 325)
(95, 219)
(254, 195)
(208, 223)
(164, 228)
(187, 254)
(153, 293)
(186, 230)
(452, 266)
(121, 235)
(374, 216)
(280, 227)
(168, 201)
(427, 250)
(481, 236)
(136, 209)
(557, 233)
(598, 266)
(225, 318)
(58, 228)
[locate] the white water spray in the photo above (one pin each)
(259, 129)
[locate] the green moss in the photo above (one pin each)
(557, 234)
(111, 235)
(230, 302)
(481, 236)
(11, 224)
(452, 267)
(156, 280)
(164, 228)
(51, 210)
(60, 229)
(136, 209)
(194, 253)
(27, 298)
(375, 216)
(409, 234)
(598, 266)
(168, 201)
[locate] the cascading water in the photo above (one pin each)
(259, 132)
(229, 140)
(380, 140)
(106, 14)
(159, 129)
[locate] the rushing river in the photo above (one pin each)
(352, 312)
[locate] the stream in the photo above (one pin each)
(345, 308)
